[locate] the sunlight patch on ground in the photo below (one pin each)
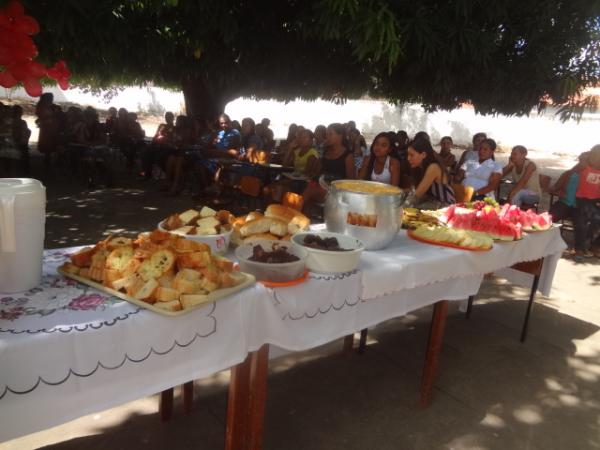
(493, 421)
(528, 414)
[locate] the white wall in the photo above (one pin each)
(538, 132)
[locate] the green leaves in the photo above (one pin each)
(501, 56)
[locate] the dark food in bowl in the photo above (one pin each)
(328, 243)
(277, 255)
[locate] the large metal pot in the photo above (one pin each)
(373, 218)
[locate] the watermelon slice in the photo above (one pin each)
(543, 221)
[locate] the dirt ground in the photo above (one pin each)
(492, 391)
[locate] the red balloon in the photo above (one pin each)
(6, 57)
(19, 70)
(14, 9)
(7, 80)
(59, 70)
(27, 25)
(63, 83)
(4, 19)
(36, 69)
(32, 86)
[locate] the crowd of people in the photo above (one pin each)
(184, 144)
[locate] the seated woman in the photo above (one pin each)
(182, 139)
(473, 152)
(337, 163)
(160, 148)
(251, 142)
(587, 209)
(380, 165)
(482, 174)
(525, 177)
(446, 156)
(432, 190)
(565, 189)
(304, 159)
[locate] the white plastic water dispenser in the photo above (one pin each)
(22, 226)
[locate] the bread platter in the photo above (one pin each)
(160, 271)
(209, 298)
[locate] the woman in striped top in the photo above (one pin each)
(432, 189)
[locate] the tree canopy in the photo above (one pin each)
(505, 56)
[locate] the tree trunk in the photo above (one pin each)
(202, 102)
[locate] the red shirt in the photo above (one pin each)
(589, 184)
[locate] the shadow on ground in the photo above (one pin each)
(492, 392)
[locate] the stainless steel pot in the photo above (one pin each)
(372, 218)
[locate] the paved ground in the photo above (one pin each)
(492, 392)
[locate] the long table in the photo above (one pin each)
(67, 350)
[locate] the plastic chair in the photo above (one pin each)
(293, 200)
(251, 188)
(462, 193)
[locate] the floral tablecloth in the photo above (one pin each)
(67, 350)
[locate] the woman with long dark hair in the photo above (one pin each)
(431, 182)
(380, 165)
(337, 163)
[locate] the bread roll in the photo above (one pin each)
(288, 215)
(260, 237)
(256, 226)
(253, 215)
(281, 212)
(278, 227)
(298, 223)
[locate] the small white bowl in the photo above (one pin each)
(328, 261)
(219, 243)
(278, 272)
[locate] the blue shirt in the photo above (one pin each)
(225, 138)
(571, 190)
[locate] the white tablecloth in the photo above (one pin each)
(67, 350)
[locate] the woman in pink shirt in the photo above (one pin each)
(587, 210)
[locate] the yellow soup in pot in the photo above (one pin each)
(366, 188)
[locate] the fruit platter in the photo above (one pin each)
(160, 271)
(506, 223)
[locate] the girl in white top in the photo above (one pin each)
(379, 165)
(484, 174)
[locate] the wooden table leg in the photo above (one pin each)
(237, 406)
(434, 346)
(362, 344)
(188, 397)
(534, 268)
(348, 344)
(165, 405)
(259, 372)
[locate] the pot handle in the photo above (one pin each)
(8, 241)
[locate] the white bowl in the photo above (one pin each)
(327, 261)
(279, 272)
(219, 243)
